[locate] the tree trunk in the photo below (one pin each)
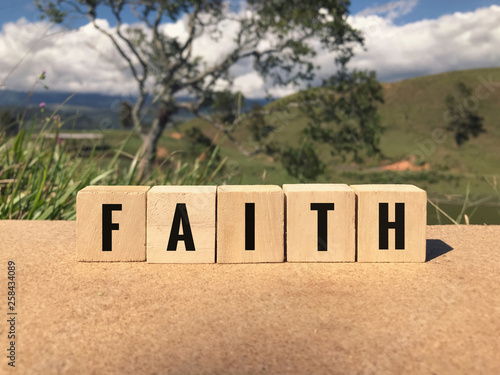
(150, 141)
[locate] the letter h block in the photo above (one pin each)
(181, 224)
(320, 223)
(111, 223)
(250, 224)
(391, 223)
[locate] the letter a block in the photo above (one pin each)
(391, 223)
(181, 224)
(320, 223)
(250, 224)
(111, 223)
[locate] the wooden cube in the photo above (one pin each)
(391, 223)
(181, 224)
(320, 223)
(250, 224)
(111, 223)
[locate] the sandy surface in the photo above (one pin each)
(438, 317)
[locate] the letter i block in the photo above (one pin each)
(111, 223)
(181, 224)
(250, 224)
(391, 223)
(320, 223)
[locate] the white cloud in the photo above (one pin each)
(84, 60)
(451, 42)
(81, 60)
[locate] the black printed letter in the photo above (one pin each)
(398, 225)
(107, 225)
(180, 216)
(322, 209)
(249, 226)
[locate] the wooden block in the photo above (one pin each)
(111, 223)
(250, 224)
(181, 224)
(320, 223)
(391, 223)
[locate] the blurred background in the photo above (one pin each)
(250, 92)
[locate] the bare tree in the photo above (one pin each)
(279, 37)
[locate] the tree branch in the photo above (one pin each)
(116, 13)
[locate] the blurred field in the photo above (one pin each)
(461, 180)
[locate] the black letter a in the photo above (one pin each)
(180, 215)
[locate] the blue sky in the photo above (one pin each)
(12, 10)
(403, 39)
(425, 9)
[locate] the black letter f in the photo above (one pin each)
(107, 225)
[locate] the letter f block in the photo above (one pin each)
(181, 224)
(111, 223)
(391, 223)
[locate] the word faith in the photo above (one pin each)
(252, 223)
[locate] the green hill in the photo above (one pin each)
(415, 108)
(413, 115)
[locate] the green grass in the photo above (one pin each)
(40, 177)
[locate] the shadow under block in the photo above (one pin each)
(250, 224)
(111, 223)
(181, 224)
(320, 223)
(391, 223)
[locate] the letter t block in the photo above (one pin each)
(391, 223)
(320, 223)
(111, 223)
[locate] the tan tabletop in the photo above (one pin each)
(438, 317)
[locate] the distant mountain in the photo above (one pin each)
(18, 99)
(86, 111)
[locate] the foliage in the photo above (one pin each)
(341, 115)
(225, 106)
(347, 119)
(202, 148)
(196, 138)
(463, 119)
(259, 128)
(303, 162)
(125, 115)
